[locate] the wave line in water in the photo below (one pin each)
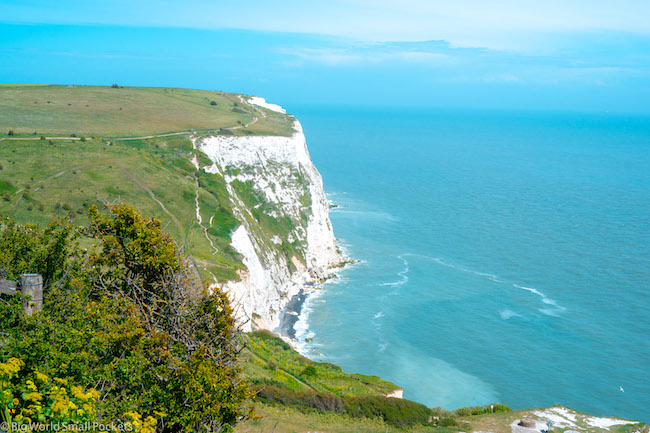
(546, 300)
(402, 274)
(439, 261)
(507, 314)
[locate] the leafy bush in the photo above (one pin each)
(34, 249)
(321, 401)
(394, 411)
(480, 410)
(269, 337)
(35, 397)
(128, 318)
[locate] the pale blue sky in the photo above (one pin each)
(578, 55)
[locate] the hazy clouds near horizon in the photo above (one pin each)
(567, 55)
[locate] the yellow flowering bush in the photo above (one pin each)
(28, 398)
(139, 425)
(128, 314)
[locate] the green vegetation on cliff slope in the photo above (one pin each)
(115, 146)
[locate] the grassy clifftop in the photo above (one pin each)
(122, 111)
(64, 148)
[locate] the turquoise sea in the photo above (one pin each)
(504, 256)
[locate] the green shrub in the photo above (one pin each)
(270, 338)
(397, 412)
(308, 399)
(128, 315)
(394, 411)
(447, 422)
(480, 410)
(309, 371)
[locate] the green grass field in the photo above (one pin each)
(40, 179)
(129, 111)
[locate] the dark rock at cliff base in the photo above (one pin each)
(291, 314)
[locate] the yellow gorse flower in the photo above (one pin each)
(140, 426)
(34, 396)
(10, 368)
(41, 377)
(46, 399)
(31, 385)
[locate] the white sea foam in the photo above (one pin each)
(439, 261)
(402, 274)
(506, 314)
(546, 300)
(301, 327)
(378, 315)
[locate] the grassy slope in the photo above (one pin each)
(109, 112)
(271, 361)
(43, 178)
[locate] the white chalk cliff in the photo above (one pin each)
(280, 172)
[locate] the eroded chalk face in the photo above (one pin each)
(285, 237)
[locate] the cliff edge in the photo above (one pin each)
(285, 237)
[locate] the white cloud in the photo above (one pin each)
(503, 24)
(502, 78)
(359, 55)
(326, 56)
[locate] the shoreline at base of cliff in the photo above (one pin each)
(291, 315)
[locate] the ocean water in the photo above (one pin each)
(503, 256)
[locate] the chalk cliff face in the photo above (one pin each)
(285, 236)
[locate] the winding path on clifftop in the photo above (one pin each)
(153, 196)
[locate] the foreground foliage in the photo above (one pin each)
(128, 318)
(41, 399)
